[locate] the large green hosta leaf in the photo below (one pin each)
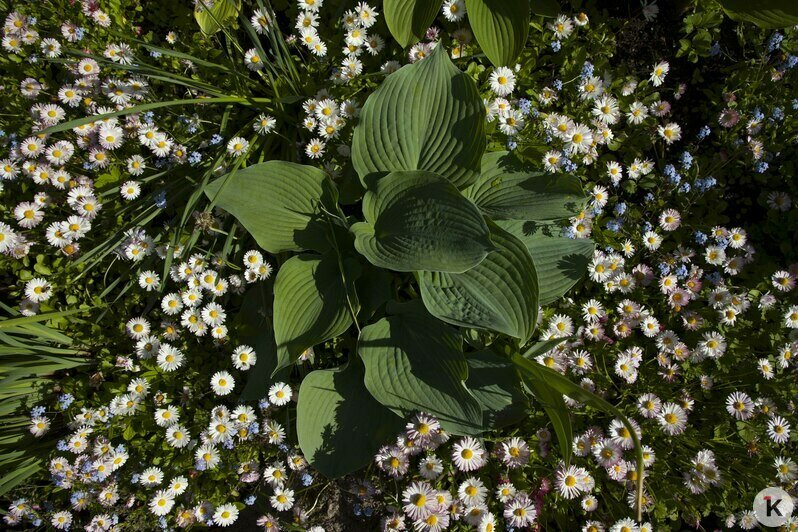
(415, 363)
(374, 289)
(500, 293)
(339, 424)
(426, 116)
(501, 28)
(310, 303)
(279, 203)
(494, 381)
(506, 191)
(408, 20)
(419, 221)
(770, 14)
(560, 262)
(218, 16)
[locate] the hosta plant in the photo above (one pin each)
(423, 282)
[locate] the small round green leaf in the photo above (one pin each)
(508, 191)
(279, 204)
(415, 363)
(339, 424)
(501, 28)
(420, 221)
(500, 293)
(218, 16)
(426, 116)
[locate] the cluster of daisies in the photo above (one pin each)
(105, 476)
(42, 167)
(665, 316)
(196, 305)
(667, 293)
(465, 494)
(62, 202)
(445, 481)
(510, 114)
(326, 117)
(579, 141)
(355, 23)
(19, 31)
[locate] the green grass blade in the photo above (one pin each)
(25, 320)
(150, 106)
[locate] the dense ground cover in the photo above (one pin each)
(356, 266)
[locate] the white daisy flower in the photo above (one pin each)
(779, 429)
(162, 503)
(244, 357)
(671, 132)
(454, 10)
(222, 383)
(170, 358)
(38, 290)
(282, 500)
(659, 72)
(502, 81)
(225, 514)
(177, 436)
(237, 146)
(468, 454)
(279, 394)
(149, 280)
(130, 190)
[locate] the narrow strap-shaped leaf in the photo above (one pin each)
(19, 474)
(148, 107)
(545, 346)
(16, 322)
(554, 406)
